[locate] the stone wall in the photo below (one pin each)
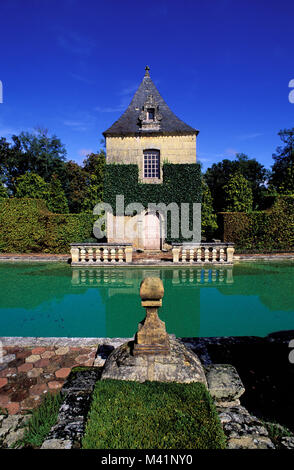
(175, 149)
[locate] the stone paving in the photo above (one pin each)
(27, 373)
(39, 365)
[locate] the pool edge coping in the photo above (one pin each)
(65, 259)
(28, 341)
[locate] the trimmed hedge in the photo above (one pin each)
(26, 225)
(263, 231)
(181, 184)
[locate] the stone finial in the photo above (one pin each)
(147, 74)
(151, 337)
(151, 288)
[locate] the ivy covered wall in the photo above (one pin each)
(181, 184)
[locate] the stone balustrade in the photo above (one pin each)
(100, 253)
(203, 253)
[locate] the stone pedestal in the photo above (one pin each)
(75, 254)
(151, 337)
(230, 254)
(129, 254)
(153, 355)
(176, 255)
(181, 365)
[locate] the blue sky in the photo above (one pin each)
(223, 66)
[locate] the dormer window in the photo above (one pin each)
(150, 114)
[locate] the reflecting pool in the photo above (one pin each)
(53, 299)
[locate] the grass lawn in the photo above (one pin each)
(152, 415)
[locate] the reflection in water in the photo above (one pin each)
(125, 277)
(119, 289)
(42, 299)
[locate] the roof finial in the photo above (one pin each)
(147, 71)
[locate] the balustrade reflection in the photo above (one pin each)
(116, 277)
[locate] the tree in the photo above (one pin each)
(94, 165)
(56, 200)
(237, 194)
(32, 152)
(75, 187)
(218, 175)
(208, 217)
(31, 185)
(92, 195)
(282, 177)
(12, 163)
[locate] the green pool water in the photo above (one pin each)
(53, 299)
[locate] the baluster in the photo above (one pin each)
(199, 275)
(97, 255)
(213, 255)
(191, 255)
(83, 255)
(184, 254)
(221, 275)
(105, 255)
(90, 255)
(120, 255)
(206, 255)
(199, 253)
(112, 255)
(221, 255)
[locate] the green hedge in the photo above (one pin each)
(181, 184)
(264, 231)
(26, 225)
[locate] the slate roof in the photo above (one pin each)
(129, 123)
